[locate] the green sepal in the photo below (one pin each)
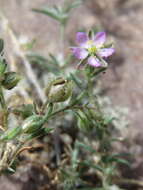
(91, 34)
(10, 80)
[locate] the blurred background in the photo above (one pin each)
(123, 81)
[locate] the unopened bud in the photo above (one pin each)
(10, 80)
(59, 90)
(33, 123)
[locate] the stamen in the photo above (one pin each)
(92, 50)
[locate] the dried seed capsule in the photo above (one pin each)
(10, 80)
(59, 90)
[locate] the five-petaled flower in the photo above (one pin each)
(92, 48)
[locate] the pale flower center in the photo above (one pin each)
(92, 48)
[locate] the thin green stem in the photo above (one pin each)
(4, 108)
(49, 112)
(2, 100)
(60, 110)
(62, 38)
(104, 63)
(44, 106)
(47, 116)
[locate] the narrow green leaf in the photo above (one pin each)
(47, 64)
(53, 13)
(114, 158)
(72, 5)
(40, 132)
(90, 164)
(86, 147)
(123, 161)
(10, 134)
(1, 45)
(54, 60)
(77, 81)
(78, 99)
(32, 56)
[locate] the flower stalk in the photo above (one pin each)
(2, 99)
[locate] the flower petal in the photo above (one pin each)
(106, 52)
(81, 38)
(99, 39)
(79, 53)
(93, 61)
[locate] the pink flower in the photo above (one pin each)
(92, 48)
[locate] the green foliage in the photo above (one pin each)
(24, 110)
(60, 14)
(54, 12)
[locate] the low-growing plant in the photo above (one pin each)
(90, 161)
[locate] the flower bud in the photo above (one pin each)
(10, 80)
(32, 123)
(59, 90)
